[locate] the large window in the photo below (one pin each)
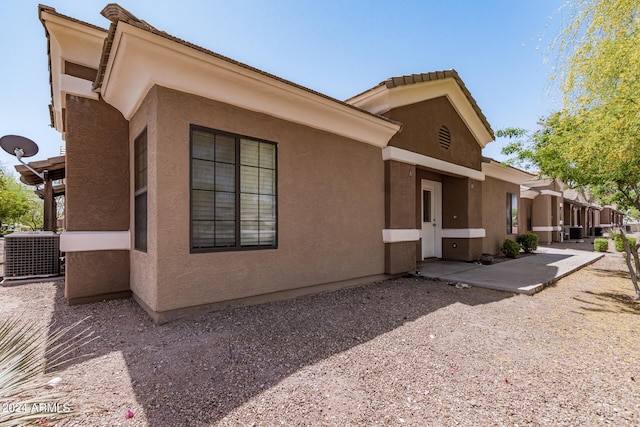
(140, 191)
(512, 213)
(233, 192)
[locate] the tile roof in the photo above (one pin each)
(52, 11)
(393, 82)
(116, 13)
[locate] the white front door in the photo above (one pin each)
(431, 219)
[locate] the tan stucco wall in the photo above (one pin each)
(97, 196)
(421, 125)
(462, 201)
(461, 197)
(462, 249)
(605, 216)
(96, 275)
(526, 209)
(557, 213)
(596, 218)
(400, 194)
(400, 208)
(494, 199)
(330, 209)
(97, 161)
(144, 265)
(542, 217)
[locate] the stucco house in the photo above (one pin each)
(611, 216)
(542, 206)
(556, 212)
(194, 181)
(504, 210)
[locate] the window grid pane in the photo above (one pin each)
(202, 145)
(140, 191)
(140, 208)
(225, 149)
(215, 194)
(512, 213)
(257, 198)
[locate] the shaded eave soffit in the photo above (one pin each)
(140, 56)
(406, 90)
(69, 40)
(503, 172)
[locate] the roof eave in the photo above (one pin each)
(497, 170)
(400, 91)
(140, 58)
(68, 39)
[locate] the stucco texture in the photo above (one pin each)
(330, 208)
(494, 203)
(97, 196)
(144, 271)
(424, 120)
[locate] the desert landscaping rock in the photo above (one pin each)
(402, 352)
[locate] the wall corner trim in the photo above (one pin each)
(463, 233)
(550, 193)
(82, 241)
(400, 235)
(542, 228)
(405, 156)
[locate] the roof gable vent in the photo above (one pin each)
(444, 136)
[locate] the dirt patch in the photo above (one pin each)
(401, 352)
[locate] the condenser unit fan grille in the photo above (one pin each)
(31, 255)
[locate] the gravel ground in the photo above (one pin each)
(401, 352)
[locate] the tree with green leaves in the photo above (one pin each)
(594, 140)
(34, 217)
(14, 199)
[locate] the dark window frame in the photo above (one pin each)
(140, 187)
(512, 221)
(238, 247)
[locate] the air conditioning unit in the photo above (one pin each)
(29, 255)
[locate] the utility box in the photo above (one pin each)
(28, 255)
(575, 233)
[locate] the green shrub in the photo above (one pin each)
(601, 245)
(619, 243)
(528, 241)
(510, 248)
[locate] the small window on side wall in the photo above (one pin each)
(512, 213)
(140, 192)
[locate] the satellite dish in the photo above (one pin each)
(18, 146)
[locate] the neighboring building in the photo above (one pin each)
(505, 211)
(542, 202)
(611, 217)
(195, 182)
(557, 213)
(433, 168)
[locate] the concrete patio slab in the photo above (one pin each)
(525, 275)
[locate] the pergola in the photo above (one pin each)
(52, 169)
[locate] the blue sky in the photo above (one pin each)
(500, 48)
